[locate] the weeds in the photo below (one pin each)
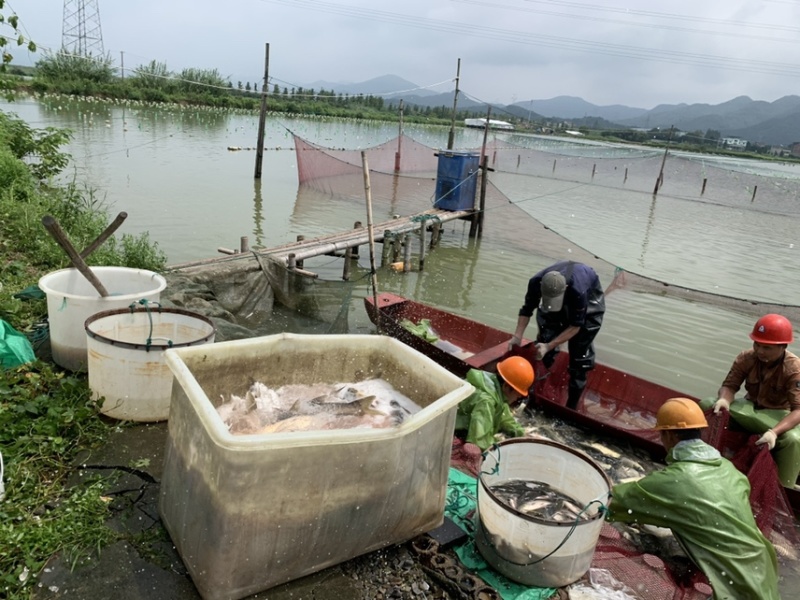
(48, 417)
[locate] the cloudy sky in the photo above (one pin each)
(638, 53)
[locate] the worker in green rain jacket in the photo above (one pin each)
(704, 500)
(487, 411)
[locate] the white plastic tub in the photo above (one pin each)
(250, 512)
(126, 358)
(71, 299)
(531, 550)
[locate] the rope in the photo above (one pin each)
(146, 303)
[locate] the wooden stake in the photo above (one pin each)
(387, 247)
(421, 246)
(435, 233)
(300, 238)
(348, 255)
(262, 118)
(451, 136)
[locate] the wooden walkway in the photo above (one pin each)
(337, 243)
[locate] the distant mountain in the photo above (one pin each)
(774, 123)
(570, 107)
(386, 86)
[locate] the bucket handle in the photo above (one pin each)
(603, 508)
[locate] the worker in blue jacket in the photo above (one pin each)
(569, 304)
(705, 501)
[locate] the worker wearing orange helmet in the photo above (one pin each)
(705, 501)
(771, 405)
(487, 411)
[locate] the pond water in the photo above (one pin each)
(185, 176)
(173, 170)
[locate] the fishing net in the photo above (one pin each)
(251, 295)
(768, 498)
(402, 179)
(412, 187)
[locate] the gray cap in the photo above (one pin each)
(553, 287)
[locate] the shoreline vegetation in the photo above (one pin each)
(47, 415)
(155, 83)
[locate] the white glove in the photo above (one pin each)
(769, 438)
(720, 404)
(541, 350)
(514, 341)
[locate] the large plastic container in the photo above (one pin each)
(456, 180)
(126, 358)
(71, 299)
(531, 550)
(247, 513)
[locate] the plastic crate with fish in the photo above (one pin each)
(251, 502)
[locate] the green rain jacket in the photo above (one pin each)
(704, 500)
(486, 413)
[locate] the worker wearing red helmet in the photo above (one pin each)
(771, 406)
(487, 412)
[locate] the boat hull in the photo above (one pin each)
(614, 403)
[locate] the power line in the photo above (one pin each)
(538, 39)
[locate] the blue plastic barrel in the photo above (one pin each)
(456, 180)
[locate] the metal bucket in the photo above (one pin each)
(126, 358)
(528, 549)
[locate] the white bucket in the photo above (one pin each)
(71, 299)
(126, 358)
(528, 549)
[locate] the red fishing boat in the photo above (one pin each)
(614, 403)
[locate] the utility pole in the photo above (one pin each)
(122, 64)
(80, 30)
(451, 137)
(263, 116)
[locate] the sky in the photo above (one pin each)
(636, 53)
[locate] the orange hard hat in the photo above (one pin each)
(680, 413)
(772, 329)
(517, 372)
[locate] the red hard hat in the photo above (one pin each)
(772, 329)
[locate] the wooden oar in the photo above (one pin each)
(58, 234)
(105, 235)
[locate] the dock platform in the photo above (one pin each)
(338, 243)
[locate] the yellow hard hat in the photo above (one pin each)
(680, 413)
(517, 372)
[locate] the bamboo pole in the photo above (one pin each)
(370, 233)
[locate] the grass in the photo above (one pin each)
(47, 416)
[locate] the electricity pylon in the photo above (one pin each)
(80, 32)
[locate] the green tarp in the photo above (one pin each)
(462, 491)
(15, 349)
